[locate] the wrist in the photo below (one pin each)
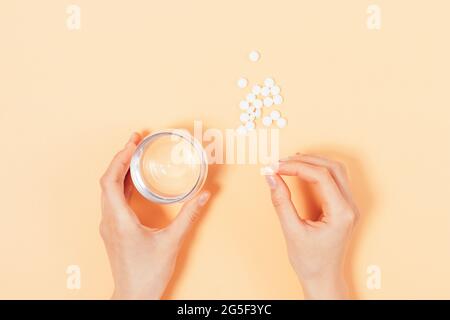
(325, 286)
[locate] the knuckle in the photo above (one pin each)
(103, 230)
(324, 174)
(104, 182)
(338, 166)
(278, 199)
(348, 215)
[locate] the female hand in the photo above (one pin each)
(316, 249)
(142, 259)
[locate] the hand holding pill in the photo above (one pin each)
(316, 249)
(142, 259)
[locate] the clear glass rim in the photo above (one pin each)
(138, 180)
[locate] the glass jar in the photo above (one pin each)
(169, 166)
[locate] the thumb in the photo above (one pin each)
(189, 214)
(281, 200)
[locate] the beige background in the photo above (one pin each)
(377, 100)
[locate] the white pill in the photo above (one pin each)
(265, 91)
(245, 117)
(242, 83)
(258, 103)
(244, 105)
(269, 82)
(277, 99)
(251, 109)
(256, 89)
(268, 102)
(275, 115)
(281, 123)
(275, 90)
(254, 56)
(251, 97)
(258, 113)
(250, 125)
(241, 130)
(267, 121)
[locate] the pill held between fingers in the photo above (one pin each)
(281, 123)
(257, 103)
(269, 82)
(254, 56)
(267, 121)
(277, 99)
(251, 97)
(242, 83)
(250, 125)
(268, 102)
(244, 105)
(275, 90)
(256, 89)
(245, 117)
(265, 91)
(275, 115)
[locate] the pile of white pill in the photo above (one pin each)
(260, 98)
(257, 101)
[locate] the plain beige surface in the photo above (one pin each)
(377, 100)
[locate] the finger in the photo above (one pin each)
(112, 181)
(128, 186)
(188, 215)
(331, 197)
(281, 200)
(336, 169)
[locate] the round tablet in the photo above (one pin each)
(242, 83)
(265, 91)
(251, 97)
(250, 125)
(277, 99)
(269, 82)
(254, 56)
(256, 89)
(268, 102)
(267, 121)
(281, 123)
(244, 105)
(275, 115)
(245, 117)
(275, 90)
(251, 109)
(257, 103)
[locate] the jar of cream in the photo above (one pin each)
(169, 166)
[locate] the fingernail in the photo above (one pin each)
(285, 159)
(130, 141)
(271, 181)
(203, 199)
(275, 166)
